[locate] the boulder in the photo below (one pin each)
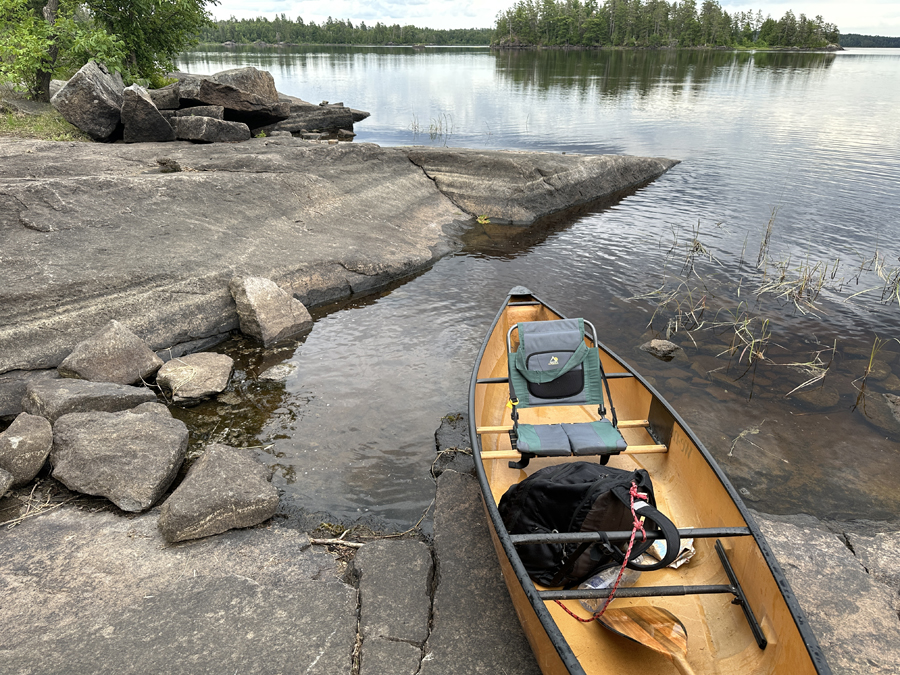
(13, 386)
(142, 121)
(315, 117)
(226, 488)
(251, 80)
(210, 130)
(166, 98)
(92, 101)
(129, 458)
(240, 106)
(661, 349)
(24, 447)
(266, 312)
(6, 481)
(195, 376)
(54, 398)
(114, 354)
(217, 112)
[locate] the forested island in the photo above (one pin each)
(281, 29)
(654, 23)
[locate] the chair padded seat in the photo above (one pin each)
(560, 440)
(546, 440)
(594, 438)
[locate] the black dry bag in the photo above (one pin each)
(582, 497)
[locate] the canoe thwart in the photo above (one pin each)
(623, 424)
(636, 592)
(740, 598)
(630, 450)
(625, 535)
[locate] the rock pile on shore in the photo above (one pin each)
(100, 425)
(229, 106)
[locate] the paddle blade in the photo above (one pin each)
(656, 628)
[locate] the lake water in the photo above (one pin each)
(789, 184)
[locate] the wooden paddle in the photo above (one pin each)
(656, 628)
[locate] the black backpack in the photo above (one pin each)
(582, 497)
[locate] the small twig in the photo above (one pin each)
(337, 542)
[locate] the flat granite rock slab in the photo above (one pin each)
(321, 221)
(102, 593)
(850, 611)
(475, 627)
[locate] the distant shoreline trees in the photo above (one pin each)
(336, 32)
(654, 23)
(857, 40)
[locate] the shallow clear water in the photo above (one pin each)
(814, 138)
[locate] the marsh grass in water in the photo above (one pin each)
(685, 300)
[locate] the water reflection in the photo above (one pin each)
(811, 138)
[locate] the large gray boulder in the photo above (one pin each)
(509, 187)
(54, 398)
(226, 488)
(114, 354)
(92, 100)
(254, 108)
(217, 112)
(25, 446)
(195, 376)
(312, 118)
(251, 80)
(142, 121)
(266, 312)
(166, 98)
(129, 458)
(210, 130)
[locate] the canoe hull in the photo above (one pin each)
(694, 492)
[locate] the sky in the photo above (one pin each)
(869, 17)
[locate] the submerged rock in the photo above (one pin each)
(226, 488)
(195, 376)
(661, 349)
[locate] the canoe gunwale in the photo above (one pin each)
(534, 596)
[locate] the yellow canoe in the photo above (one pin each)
(735, 603)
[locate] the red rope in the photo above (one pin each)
(636, 524)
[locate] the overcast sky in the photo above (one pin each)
(869, 17)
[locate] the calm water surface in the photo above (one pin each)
(812, 138)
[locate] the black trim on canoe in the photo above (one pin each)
(666, 414)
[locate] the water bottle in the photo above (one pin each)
(605, 579)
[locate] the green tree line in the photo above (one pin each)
(857, 40)
(654, 23)
(336, 31)
(43, 39)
